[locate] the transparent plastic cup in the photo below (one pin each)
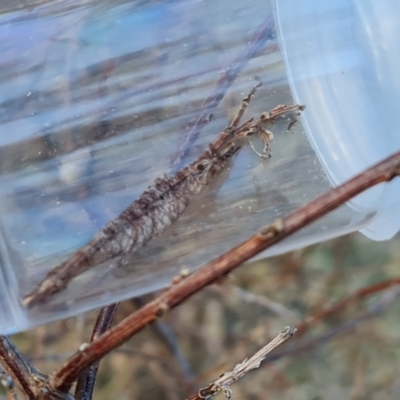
(95, 102)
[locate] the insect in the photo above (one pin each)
(161, 204)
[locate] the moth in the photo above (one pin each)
(161, 204)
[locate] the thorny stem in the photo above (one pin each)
(221, 266)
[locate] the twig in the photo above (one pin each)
(224, 382)
(341, 305)
(16, 367)
(221, 266)
(85, 385)
(23, 374)
(258, 39)
(376, 309)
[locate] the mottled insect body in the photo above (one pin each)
(159, 206)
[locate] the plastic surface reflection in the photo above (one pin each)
(95, 101)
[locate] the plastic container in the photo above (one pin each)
(95, 99)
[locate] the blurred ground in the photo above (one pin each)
(221, 326)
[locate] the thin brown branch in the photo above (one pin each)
(24, 375)
(224, 382)
(344, 303)
(221, 266)
(85, 385)
(376, 309)
(225, 80)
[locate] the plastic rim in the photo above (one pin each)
(341, 61)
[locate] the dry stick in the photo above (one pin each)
(221, 266)
(342, 304)
(258, 39)
(18, 368)
(85, 385)
(224, 382)
(15, 366)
